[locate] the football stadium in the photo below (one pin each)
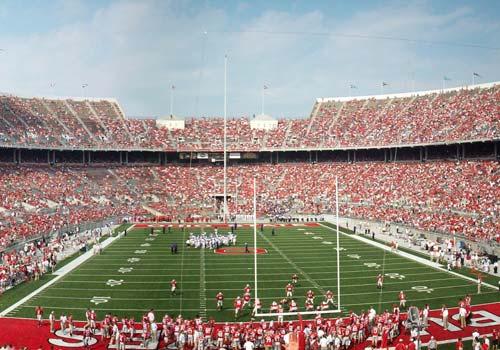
(278, 176)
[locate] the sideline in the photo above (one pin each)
(409, 256)
(60, 274)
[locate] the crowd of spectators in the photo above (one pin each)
(467, 114)
(452, 197)
(37, 257)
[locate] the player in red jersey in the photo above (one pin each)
(220, 301)
(274, 306)
(295, 279)
(246, 299)
(289, 290)
(380, 281)
(309, 305)
(173, 287)
(402, 299)
(39, 315)
(247, 289)
(293, 306)
(238, 304)
(310, 295)
(329, 298)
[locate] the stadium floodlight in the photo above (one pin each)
(299, 313)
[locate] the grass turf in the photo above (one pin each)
(201, 274)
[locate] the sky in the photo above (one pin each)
(135, 51)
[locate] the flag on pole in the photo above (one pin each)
(476, 75)
(446, 78)
(384, 83)
(84, 86)
(352, 86)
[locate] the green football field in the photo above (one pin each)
(132, 275)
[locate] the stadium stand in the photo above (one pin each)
(458, 198)
(453, 116)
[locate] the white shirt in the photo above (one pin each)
(323, 342)
(248, 345)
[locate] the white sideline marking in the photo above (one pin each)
(409, 256)
(60, 274)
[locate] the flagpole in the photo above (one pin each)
(255, 235)
(262, 100)
(225, 136)
(172, 100)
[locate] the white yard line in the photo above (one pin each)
(411, 257)
(182, 268)
(60, 274)
(302, 272)
(203, 292)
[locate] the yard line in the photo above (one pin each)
(226, 268)
(274, 297)
(203, 295)
(302, 272)
(182, 267)
(415, 258)
(239, 280)
(239, 289)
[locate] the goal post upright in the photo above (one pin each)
(255, 235)
(338, 238)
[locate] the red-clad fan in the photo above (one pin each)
(220, 300)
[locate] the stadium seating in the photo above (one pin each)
(449, 197)
(461, 115)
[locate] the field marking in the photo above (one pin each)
(182, 269)
(203, 294)
(196, 310)
(412, 257)
(277, 297)
(263, 281)
(302, 272)
(244, 272)
(244, 267)
(239, 289)
(67, 269)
